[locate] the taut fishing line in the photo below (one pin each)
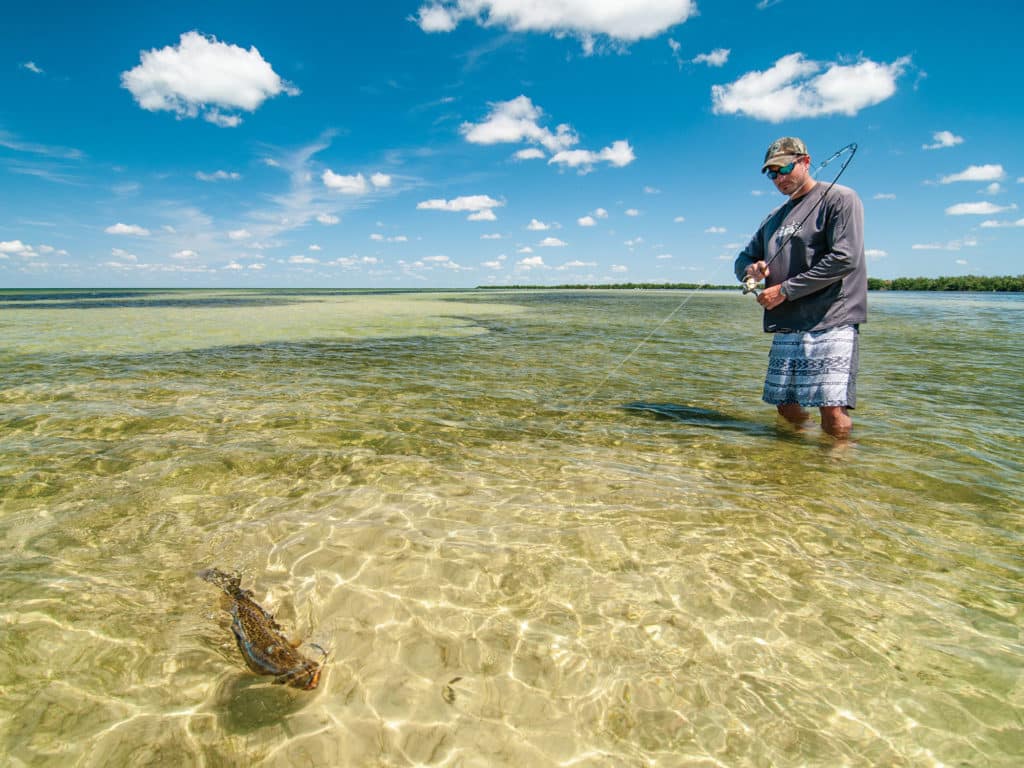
(749, 285)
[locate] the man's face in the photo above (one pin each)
(792, 177)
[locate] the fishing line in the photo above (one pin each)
(627, 358)
(849, 151)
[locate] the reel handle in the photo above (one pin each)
(750, 286)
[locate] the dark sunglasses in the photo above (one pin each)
(783, 171)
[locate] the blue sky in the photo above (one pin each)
(452, 143)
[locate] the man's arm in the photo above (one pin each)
(752, 254)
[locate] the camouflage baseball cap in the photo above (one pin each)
(784, 151)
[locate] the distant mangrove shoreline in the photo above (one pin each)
(963, 283)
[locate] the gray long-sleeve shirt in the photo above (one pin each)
(821, 267)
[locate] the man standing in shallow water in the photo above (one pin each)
(810, 253)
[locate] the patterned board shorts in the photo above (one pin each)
(813, 368)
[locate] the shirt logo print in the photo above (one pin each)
(788, 230)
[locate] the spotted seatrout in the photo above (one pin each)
(260, 639)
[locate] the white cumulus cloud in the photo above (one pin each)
(347, 185)
(619, 154)
(622, 22)
(943, 139)
(517, 120)
(586, 221)
(716, 58)
(127, 229)
(202, 75)
(990, 172)
(26, 251)
(531, 153)
(480, 207)
(552, 242)
(796, 87)
(537, 226)
(14, 247)
(355, 184)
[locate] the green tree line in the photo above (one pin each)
(613, 286)
(1006, 284)
(959, 283)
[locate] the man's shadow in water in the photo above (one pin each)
(705, 417)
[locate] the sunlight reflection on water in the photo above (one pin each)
(506, 567)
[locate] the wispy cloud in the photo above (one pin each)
(991, 172)
(952, 245)
(218, 176)
(12, 142)
(978, 209)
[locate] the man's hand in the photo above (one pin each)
(771, 297)
(758, 270)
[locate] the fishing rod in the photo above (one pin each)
(750, 284)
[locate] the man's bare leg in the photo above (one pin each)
(836, 421)
(793, 413)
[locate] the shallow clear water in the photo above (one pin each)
(442, 486)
